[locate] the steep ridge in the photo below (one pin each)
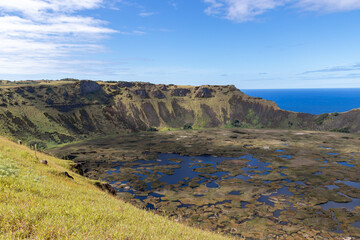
(64, 111)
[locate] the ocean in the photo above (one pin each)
(314, 101)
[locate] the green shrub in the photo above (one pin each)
(187, 126)
(37, 144)
(253, 119)
(235, 123)
(151, 129)
(341, 130)
(7, 168)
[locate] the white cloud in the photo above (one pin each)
(46, 36)
(134, 32)
(41, 8)
(58, 25)
(241, 10)
(146, 14)
(247, 10)
(329, 5)
(173, 4)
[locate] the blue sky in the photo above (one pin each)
(248, 43)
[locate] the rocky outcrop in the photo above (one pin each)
(49, 101)
(125, 84)
(19, 90)
(158, 94)
(204, 93)
(142, 93)
(180, 92)
(65, 94)
(106, 187)
(30, 89)
(87, 87)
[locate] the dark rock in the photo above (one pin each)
(239, 132)
(49, 90)
(126, 84)
(204, 93)
(68, 107)
(19, 90)
(65, 94)
(45, 162)
(49, 101)
(247, 145)
(87, 87)
(232, 88)
(142, 93)
(66, 174)
(30, 89)
(180, 92)
(106, 187)
(78, 168)
(159, 94)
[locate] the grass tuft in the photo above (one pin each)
(7, 168)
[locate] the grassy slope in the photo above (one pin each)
(38, 202)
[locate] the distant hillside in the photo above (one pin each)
(62, 111)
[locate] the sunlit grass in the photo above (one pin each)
(38, 202)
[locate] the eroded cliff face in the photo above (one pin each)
(63, 111)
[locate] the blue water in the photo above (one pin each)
(346, 164)
(355, 202)
(314, 101)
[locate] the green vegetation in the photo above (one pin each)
(39, 201)
(253, 119)
(187, 126)
(341, 130)
(37, 145)
(7, 168)
(151, 129)
(320, 120)
(235, 123)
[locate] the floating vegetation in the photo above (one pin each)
(237, 187)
